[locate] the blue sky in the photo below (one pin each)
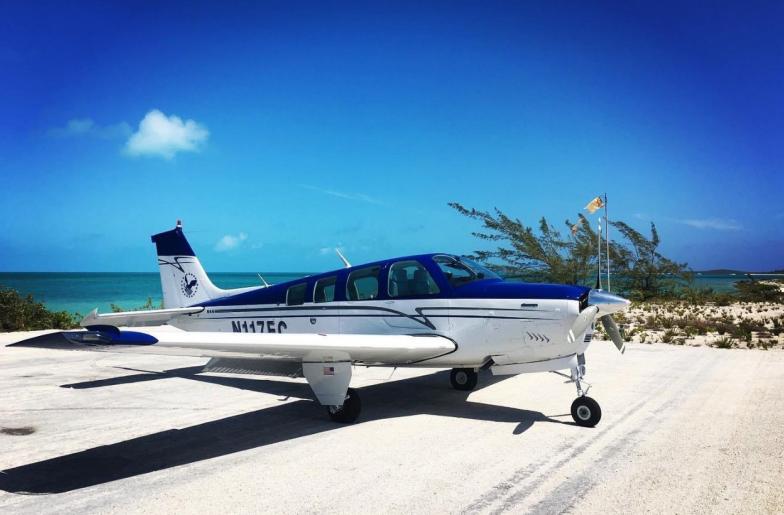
(278, 130)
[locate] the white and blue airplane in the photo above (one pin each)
(428, 310)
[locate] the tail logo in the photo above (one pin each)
(189, 285)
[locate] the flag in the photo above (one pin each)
(594, 205)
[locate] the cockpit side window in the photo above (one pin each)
(295, 295)
(455, 272)
(410, 279)
(362, 284)
(325, 289)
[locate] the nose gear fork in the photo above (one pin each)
(577, 377)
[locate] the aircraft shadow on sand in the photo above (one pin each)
(428, 394)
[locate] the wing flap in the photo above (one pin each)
(264, 367)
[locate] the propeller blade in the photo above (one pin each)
(612, 329)
(582, 322)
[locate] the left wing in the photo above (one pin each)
(362, 348)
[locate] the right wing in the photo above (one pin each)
(146, 318)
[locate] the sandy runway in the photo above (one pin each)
(687, 430)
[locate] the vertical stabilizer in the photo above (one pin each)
(183, 280)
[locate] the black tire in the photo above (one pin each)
(349, 412)
(586, 412)
(464, 379)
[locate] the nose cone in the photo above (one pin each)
(607, 302)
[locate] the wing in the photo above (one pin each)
(151, 317)
(356, 348)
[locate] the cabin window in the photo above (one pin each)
(362, 284)
(295, 295)
(410, 279)
(325, 289)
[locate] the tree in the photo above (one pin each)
(549, 256)
(643, 271)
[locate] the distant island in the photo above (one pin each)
(724, 271)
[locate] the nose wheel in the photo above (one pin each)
(586, 411)
(464, 379)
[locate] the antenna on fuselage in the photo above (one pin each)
(263, 281)
(343, 258)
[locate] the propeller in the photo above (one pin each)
(615, 335)
(581, 323)
(606, 303)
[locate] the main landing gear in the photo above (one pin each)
(585, 411)
(463, 379)
(349, 411)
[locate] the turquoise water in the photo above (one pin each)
(81, 292)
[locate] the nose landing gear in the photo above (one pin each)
(586, 412)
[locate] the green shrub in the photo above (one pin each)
(144, 307)
(18, 313)
(724, 343)
(755, 291)
(668, 336)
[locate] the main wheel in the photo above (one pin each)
(586, 412)
(349, 412)
(463, 379)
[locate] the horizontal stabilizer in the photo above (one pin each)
(147, 318)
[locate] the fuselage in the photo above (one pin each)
(485, 316)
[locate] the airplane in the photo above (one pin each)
(430, 310)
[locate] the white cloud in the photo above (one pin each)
(713, 223)
(230, 242)
(87, 127)
(163, 136)
(361, 197)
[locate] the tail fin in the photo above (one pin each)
(183, 280)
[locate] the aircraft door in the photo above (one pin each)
(413, 303)
(362, 312)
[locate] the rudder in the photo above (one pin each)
(183, 280)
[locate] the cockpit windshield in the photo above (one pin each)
(460, 271)
(482, 272)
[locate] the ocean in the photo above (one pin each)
(82, 292)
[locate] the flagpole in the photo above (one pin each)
(599, 258)
(607, 238)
